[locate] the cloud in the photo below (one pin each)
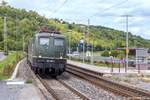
(100, 12)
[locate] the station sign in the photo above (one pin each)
(141, 52)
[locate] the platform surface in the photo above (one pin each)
(2, 56)
(105, 69)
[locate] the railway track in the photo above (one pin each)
(55, 89)
(60, 90)
(96, 78)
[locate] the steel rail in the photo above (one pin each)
(96, 78)
(82, 96)
(54, 94)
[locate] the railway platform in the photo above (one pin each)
(2, 56)
(107, 70)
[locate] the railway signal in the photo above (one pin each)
(109, 53)
(127, 51)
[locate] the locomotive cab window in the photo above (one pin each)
(44, 41)
(58, 42)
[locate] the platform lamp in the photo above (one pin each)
(69, 42)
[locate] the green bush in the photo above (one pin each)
(105, 53)
(114, 53)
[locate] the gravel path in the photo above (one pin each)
(91, 91)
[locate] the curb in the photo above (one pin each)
(15, 71)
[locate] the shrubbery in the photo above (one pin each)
(114, 53)
(8, 64)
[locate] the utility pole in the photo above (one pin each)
(5, 37)
(127, 42)
(16, 38)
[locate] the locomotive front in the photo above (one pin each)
(50, 52)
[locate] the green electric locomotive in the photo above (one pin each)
(47, 52)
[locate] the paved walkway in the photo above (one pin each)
(106, 70)
(2, 56)
(18, 91)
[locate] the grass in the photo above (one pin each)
(8, 64)
(145, 79)
(29, 81)
(98, 53)
(116, 78)
(126, 80)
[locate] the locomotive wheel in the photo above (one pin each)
(38, 70)
(35, 70)
(54, 76)
(43, 71)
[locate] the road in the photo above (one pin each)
(2, 56)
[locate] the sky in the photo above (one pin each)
(109, 13)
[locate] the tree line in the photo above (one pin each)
(22, 25)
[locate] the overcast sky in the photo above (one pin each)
(100, 12)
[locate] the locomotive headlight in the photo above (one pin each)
(60, 57)
(40, 56)
(50, 61)
(52, 34)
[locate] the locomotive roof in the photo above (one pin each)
(49, 34)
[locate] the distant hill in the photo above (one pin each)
(28, 22)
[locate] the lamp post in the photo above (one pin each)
(92, 56)
(83, 48)
(69, 40)
(88, 32)
(83, 42)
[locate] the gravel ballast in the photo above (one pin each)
(137, 80)
(93, 92)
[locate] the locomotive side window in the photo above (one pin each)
(44, 41)
(58, 42)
